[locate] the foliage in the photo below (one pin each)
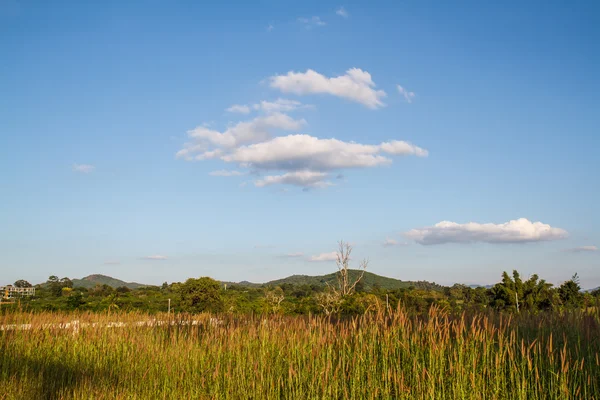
(203, 294)
(21, 283)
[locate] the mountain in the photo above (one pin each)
(97, 279)
(368, 281)
(475, 286)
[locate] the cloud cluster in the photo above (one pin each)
(356, 85)
(516, 231)
(208, 143)
(271, 147)
(304, 160)
(83, 168)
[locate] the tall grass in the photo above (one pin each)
(433, 356)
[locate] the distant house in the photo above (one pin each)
(11, 292)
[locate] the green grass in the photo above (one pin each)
(435, 356)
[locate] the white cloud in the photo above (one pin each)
(155, 258)
(342, 12)
(224, 172)
(297, 178)
(583, 249)
(356, 85)
(256, 130)
(324, 257)
(516, 231)
(270, 27)
(237, 108)
(304, 152)
(309, 23)
(83, 168)
(408, 96)
(112, 263)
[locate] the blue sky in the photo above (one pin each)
(113, 117)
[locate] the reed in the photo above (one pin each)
(383, 356)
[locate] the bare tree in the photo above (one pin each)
(331, 300)
(346, 285)
(274, 298)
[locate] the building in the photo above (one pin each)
(11, 292)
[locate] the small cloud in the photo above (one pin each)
(355, 85)
(155, 258)
(224, 172)
(240, 109)
(270, 27)
(582, 249)
(324, 257)
(339, 176)
(309, 23)
(408, 96)
(83, 168)
(393, 242)
(112, 263)
(342, 12)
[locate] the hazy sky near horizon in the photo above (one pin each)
(159, 140)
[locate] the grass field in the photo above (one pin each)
(434, 356)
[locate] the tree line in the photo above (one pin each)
(347, 296)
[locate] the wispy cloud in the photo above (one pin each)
(356, 85)
(342, 12)
(304, 179)
(270, 107)
(293, 255)
(516, 231)
(155, 258)
(312, 22)
(270, 27)
(112, 263)
(408, 96)
(582, 249)
(83, 168)
(393, 242)
(224, 172)
(324, 257)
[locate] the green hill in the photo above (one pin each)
(369, 281)
(97, 279)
